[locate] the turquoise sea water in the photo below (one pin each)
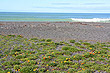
(22, 16)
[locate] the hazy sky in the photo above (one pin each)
(60, 6)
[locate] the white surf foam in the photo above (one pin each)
(90, 20)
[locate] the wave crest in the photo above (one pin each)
(91, 20)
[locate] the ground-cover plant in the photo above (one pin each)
(72, 41)
(28, 69)
(22, 55)
(71, 48)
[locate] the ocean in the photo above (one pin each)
(72, 17)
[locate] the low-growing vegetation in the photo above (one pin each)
(22, 55)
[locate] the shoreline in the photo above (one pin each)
(55, 21)
(58, 31)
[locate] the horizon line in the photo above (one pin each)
(50, 12)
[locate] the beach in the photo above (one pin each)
(54, 36)
(59, 31)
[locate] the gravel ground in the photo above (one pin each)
(87, 31)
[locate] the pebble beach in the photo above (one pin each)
(59, 31)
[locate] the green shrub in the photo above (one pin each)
(76, 65)
(77, 44)
(34, 39)
(55, 71)
(72, 41)
(89, 64)
(78, 57)
(48, 40)
(57, 44)
(8, 67)
(71, 70)
(105, 48)
(101, 59)
(52, 64)
(92, 46)
(19, 36)
(66, 47)
(16, 67)
(69, 62)
(12, 35)
(15, 62)
(6, 63)
(42, 40)
(87, 71)
(16, 50)
(8, 70)
(87, 55)
(28, 69)
(71, 48)
(42, 70)
(20, 56)
(86, 43)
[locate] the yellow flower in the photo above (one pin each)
(53, 62)
(79, 71)
(47, 70)
(8, 72)
(61, 62)
(34, 70)
(15, 52)
(47, 65)
(66, 58)
(64, 61)
(83, 69)
(74, 56)
(90, 48)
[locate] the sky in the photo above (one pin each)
(56, 6)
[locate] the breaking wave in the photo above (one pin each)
(91, 20)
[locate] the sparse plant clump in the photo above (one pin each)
(48, 40)
(11, 35)
(72, 41)
(71, 48)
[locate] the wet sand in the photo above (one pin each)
(58, 31)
